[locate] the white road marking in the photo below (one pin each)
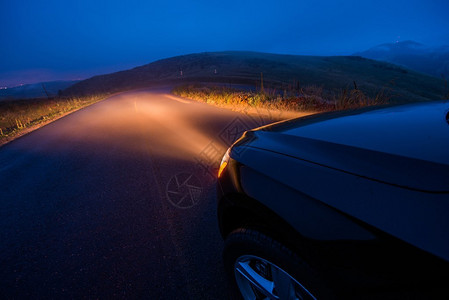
(177, 99)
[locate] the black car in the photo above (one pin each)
(342, 205)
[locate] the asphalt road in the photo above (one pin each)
(116, 200)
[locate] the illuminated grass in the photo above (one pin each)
(310, 98)
(19, 115)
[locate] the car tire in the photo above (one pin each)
(252, 259)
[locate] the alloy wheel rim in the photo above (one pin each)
(258, 278)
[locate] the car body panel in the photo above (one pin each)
(371, 208)
(419, 131)
(389, 168)
(311, 218)
(353, 257)
(418, 218)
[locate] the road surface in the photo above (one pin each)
(116, 200)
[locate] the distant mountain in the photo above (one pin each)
(430, 60)
(35, 90)
(333, 73)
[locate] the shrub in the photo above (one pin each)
(308, 98)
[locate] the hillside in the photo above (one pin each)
(333, 73)
(429, 60)
(35, 90)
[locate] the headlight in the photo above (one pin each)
(224, 162)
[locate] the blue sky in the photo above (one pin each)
(55, 39)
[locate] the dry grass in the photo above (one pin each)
(331, 73)
(18, 115)
(310, 98)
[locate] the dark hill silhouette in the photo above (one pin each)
(429, 60)
(35, 90)
(331, 73)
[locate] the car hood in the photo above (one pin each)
(404, 145)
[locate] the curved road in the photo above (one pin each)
(116, 200)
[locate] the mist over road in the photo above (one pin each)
(116, 200)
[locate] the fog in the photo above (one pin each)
(55, 40)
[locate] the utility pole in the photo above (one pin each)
(45, 90)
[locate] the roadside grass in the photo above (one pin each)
(331, 73)
(305, 99)
(17, 116)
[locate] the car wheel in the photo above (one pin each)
(259, 267)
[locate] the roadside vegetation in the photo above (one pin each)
(320, 74)
(16, 116)
(300, 99)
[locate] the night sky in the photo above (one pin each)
(51, 40)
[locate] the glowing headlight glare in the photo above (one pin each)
(224, 163)
(222, 167)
